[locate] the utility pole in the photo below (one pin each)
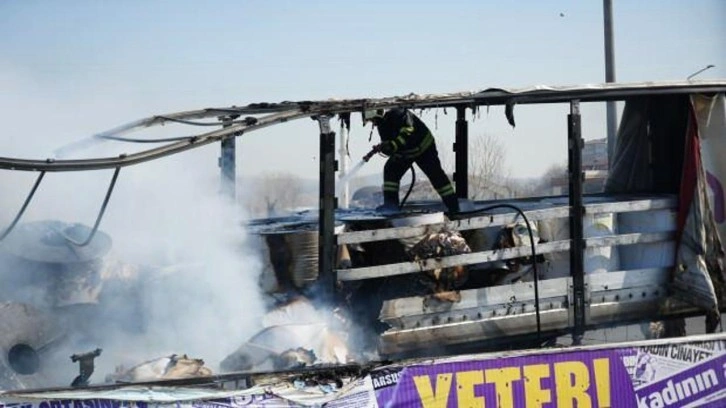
(612, 121)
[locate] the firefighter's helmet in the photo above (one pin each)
(372, 114)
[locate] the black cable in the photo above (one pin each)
(100, 214)
(249, 121)
(534, 257)
(531, 243)
(410, 188)
(135, 140)
(24, 207)
(194, 123)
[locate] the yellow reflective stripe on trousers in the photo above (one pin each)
(446, 190)
(390, 186)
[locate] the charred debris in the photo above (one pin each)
(348, 287)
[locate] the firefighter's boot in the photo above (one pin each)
(452, 204)
(390, 202)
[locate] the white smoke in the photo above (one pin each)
(197, 289)
(201, 294)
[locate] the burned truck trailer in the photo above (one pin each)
(648, 248)
(505, 273)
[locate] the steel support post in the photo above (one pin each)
(327, 204)
(611, 113)
(577, 210)
(227, 162)
(461, 150)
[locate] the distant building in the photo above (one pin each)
(594, 165)
(595, 155)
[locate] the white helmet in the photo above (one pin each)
(372, 114)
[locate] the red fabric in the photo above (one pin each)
(689, 175)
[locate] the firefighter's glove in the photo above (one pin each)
(389, 147)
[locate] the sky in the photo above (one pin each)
(74, 68)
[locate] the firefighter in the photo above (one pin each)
(407, 140)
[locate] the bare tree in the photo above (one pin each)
(276, 193)
(488, 175)
(554, 176)
(555, 171)
(487, 172)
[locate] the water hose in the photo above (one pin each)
(377, 149)
(534, 257)
(24, 207)
(410, 187)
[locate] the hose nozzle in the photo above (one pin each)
(374, 150)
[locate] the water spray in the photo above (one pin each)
(357, 167)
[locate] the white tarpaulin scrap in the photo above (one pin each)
(711, 116)
(698, 277)
(677, 163)
(277, 391)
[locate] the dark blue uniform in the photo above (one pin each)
(407, 140)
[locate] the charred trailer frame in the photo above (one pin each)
(572, 302)
(581, 289)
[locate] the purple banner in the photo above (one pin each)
(567, 379)
(667, 375)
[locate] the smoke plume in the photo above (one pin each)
(182, 278)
